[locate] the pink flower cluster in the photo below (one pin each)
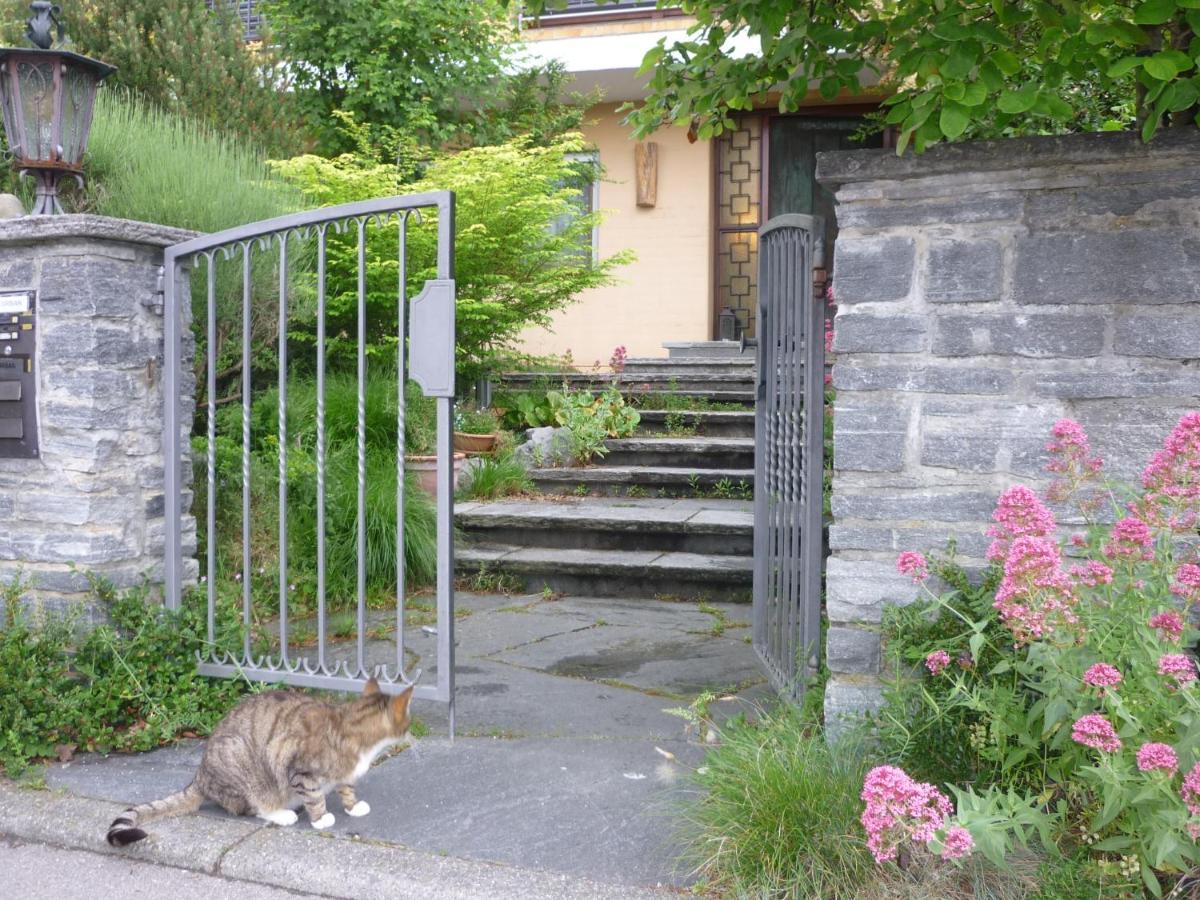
(899, 809)
(1172, 479)
(1169, 625)
(937, 661)
(1177, 666)
(1130, 538)
(1019, 513)
(1102, 675)
(1036, 597)
(910, 562)
(1071, 458)
(1092, 573)
(1160, 757)
(1096, 732)
(617, 361)
(1191, 790)
(1187, 582)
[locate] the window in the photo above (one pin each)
(586, 199)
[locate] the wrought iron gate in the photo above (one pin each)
(788, 442)
(285, 246)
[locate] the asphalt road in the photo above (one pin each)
(39, 872)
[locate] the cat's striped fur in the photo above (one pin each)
(277, 750)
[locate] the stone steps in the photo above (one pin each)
(739, 423)
(707, 350)
(615, 573)
(681, 526)
(681, 366)
(648, 481)
(688, 382)
(681, 452)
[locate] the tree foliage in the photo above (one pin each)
(182, 57)
(950, 68)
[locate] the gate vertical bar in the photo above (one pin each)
(172, 357)
(283, 460)
(814, 451)
(321, 448)
(401, 394)
(246, 381)
(445, 475)
(211, 474)
(362, 445)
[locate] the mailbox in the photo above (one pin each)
(18, 391)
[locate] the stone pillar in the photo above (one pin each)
(985, 291)
(93, 499)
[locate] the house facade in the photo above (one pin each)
(693, 218)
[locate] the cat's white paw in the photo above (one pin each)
(280, 817)
(326, 821)
(361, 808)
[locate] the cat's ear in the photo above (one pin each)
(371, 687)
(400, 703)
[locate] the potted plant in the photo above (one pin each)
(420, 441)
(475, 430)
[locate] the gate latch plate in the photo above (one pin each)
(431, 348)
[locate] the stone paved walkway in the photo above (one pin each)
(555, 775)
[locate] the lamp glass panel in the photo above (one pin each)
(37, 105)
(79, 89)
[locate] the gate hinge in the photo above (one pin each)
(156, 301)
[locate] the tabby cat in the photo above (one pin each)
(279, 749)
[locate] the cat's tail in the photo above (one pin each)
(124, 829)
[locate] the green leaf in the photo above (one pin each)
(1154, 12)
(829, 87)
(960, 62)
(954, 121)
(902, 141)
(951, 30)
(955, 91)
(1124, 66)
(1018, 101)
(977, 639)
(1151, 880)
(991, 76)
(1006, 61)
(1162, 66)
(1112, 844)
(974, 94)
(1057, 108)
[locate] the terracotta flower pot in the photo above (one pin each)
(425, 468)
(475, 443)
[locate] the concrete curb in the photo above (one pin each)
(293, 859)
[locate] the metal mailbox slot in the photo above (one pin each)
(18, 386)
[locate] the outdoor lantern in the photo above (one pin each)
(47, 98)
(727, 324)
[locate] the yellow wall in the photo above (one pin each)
(665, 295)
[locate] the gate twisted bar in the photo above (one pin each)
(788, 470)
(431, 366)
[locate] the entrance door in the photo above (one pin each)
(780, 153)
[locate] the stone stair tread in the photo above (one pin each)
(699, 444)
(646, 473)
(730, 415)
(631, 515)
(625, 378)
(733, 362)
(646, 562)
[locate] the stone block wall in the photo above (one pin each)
(93, 501)
(985, 291)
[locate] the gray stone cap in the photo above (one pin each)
(30, 229)
(850, 166)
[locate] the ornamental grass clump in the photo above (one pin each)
(1072, 709)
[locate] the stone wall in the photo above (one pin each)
(93, 501)
(985, 291)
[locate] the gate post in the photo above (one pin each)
(87, 493)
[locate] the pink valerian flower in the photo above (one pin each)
(828, 335)
(1019, 513)
(1187, 582)
(910, 562)
(1092, 573)
(1177, 666)
(936, 661)
(1172, 479)
(898, 809)
(1071, 459)
(617, 360)
(1096, 732)
(1102, 675)
(1130, 538)
(1078, 540)
(1036, 597)
(1157, 757)
(1190, 791)
(1169, 625)
(957, 843)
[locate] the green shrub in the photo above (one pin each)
(128, 685)
(511, 269)
(590, 420)
(777, 813)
